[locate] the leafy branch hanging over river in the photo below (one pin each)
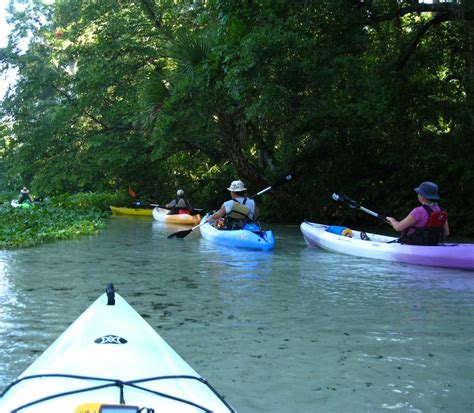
(368, 98)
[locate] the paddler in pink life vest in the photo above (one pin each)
(236, 212)
(426, 224)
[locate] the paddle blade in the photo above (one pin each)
(284, 179)
(346, 199)
(180, 234)
(131, 192)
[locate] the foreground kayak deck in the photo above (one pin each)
(386, 248)
(261, 240)
(161, 215)
(144, 212)
(110, 355)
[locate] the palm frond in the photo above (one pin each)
(153, 95)
(189, 50)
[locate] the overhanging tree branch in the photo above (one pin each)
(439, 18)
(151, 13)
(454, 11)
(442, 12)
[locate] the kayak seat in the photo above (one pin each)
(364, 236)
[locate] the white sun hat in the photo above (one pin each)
(237, 186)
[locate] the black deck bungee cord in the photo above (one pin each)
(121, 385)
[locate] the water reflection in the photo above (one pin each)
(6, 292)
(245, 262)
(380, 271)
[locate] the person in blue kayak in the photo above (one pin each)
(179, 205)
(426, 224)
(236, 212)
(25, 196)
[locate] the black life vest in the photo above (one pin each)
(24, 197)
(431, 233)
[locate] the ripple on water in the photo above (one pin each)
(295, 329)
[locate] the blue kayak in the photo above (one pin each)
(251, 237)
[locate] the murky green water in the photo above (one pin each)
(293, 330)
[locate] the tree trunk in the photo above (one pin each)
(232, 135)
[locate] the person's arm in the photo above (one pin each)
(402, 225)
(171, 204)
(218, 214)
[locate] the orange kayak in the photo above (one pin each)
(161, 214)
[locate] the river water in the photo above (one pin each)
(293, 330)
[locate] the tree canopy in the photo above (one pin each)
(363, 97)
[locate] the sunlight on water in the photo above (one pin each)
(294, 329)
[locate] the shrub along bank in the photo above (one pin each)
(62, 217)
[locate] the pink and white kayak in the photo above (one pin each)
(387, 248)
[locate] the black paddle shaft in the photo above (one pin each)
(354, 204)
(281, 181)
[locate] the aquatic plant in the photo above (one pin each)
(63, 217)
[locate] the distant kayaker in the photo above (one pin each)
(179, 205)
(426, 224)
(25, 196)
(239, 210)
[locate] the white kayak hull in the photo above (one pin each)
(15, 204)
(106, 346)
(386, 248)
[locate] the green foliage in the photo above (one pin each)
(37, 225)
(358, 97)
(55, 218)
(89, 201)
(7, 196)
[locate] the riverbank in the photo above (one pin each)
(62, 217)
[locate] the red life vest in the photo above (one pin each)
(436, 219)
(431, 233)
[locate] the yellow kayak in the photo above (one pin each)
(161, 214)
(144, 212)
